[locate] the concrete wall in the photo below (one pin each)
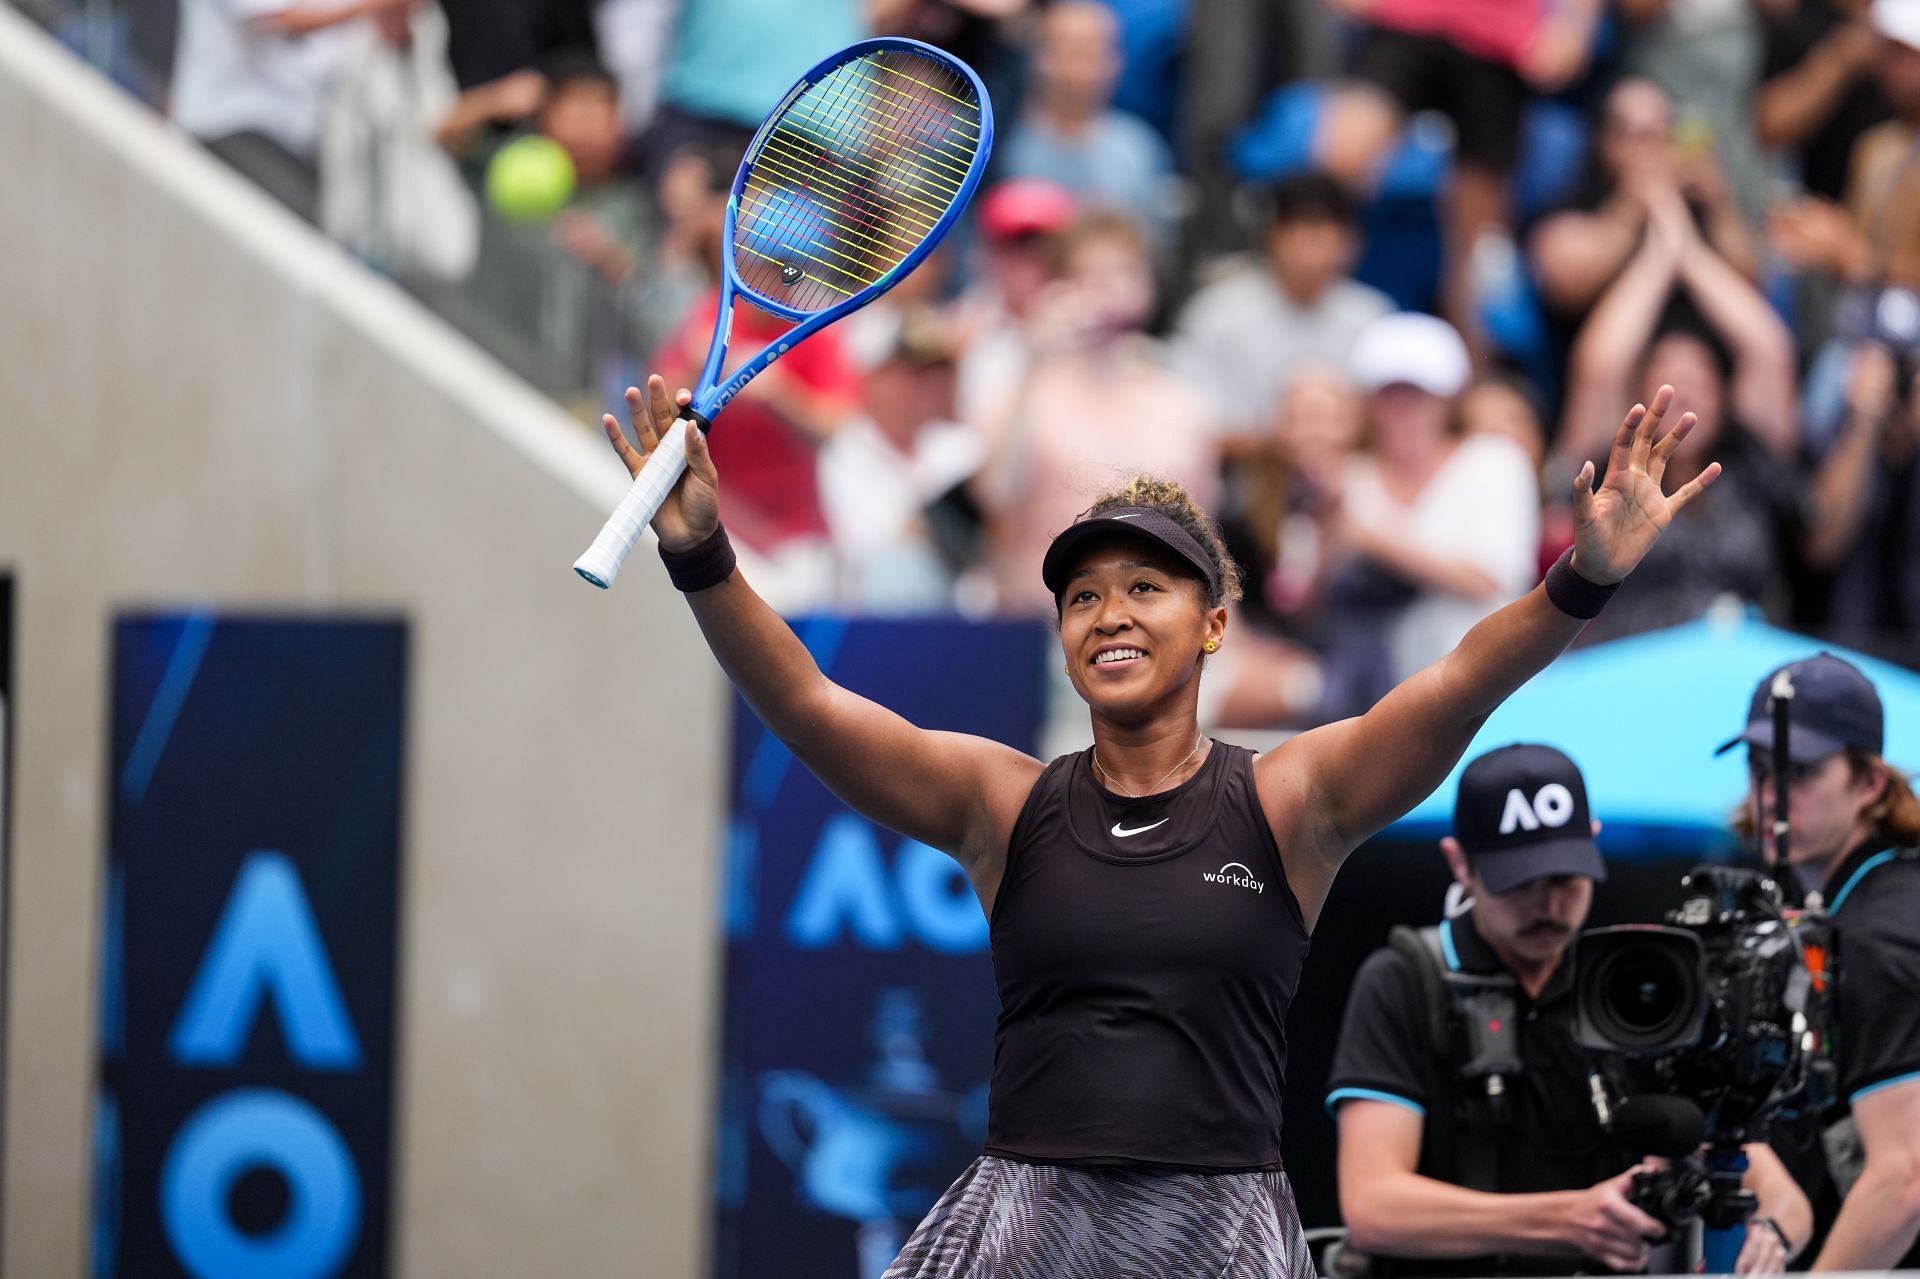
(201, 402)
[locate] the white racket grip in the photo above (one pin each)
(601, 564)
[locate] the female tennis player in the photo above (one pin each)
(1151, 897)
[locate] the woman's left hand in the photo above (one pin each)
(1618, 523)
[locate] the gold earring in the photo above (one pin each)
(1067, 671)
(1211, 646)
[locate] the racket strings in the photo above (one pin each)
(871, 241)
(853, 176)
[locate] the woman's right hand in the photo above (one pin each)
(692, 509)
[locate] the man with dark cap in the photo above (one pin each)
(1852, 825)
(1469, 1141)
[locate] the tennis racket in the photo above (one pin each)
(848, 185)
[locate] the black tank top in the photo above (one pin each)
(1146, 951)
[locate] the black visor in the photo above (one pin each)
(1126, 521)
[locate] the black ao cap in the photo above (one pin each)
(1521, 815)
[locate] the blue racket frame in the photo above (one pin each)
(710, 394)
(654, 481)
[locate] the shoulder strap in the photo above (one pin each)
(1482, 1062)
(1422, 949)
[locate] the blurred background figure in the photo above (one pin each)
(633, 37)
(1094, 399)
(567, 224)
(683, 261)
(489, 40)
(1720, 339)
(1242, 337)
(1708, 56)
(1019, 221)
(1635, 161)
(899, 456)
(1818, 93)
(1237, 52)
(717, 87)
(1475, 63)
(1860, 256)
(387, 191)
(1434, 530)
(577, 236)
(1293, 485)
(1863, 588)
(252, 80)
(1068, 131)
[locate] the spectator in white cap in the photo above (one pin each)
(1435, 530)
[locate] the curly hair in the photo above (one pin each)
(1172, 501)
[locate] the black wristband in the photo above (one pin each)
(706, 565)
(1573, 594)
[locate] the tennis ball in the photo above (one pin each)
(530, 179)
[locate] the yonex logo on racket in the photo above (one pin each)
(1226, 875)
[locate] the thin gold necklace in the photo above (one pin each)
(1200, 739)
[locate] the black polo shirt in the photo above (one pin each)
(1553, 1139)
(1874, 898)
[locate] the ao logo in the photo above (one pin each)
(1552, 807)
(848, 889)
(266, 948)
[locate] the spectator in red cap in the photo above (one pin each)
(1019, 219)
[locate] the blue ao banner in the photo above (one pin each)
(858, 1029)
(247, 991)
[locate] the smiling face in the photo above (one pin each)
(1133, 620)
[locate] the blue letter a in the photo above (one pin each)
(266, 943)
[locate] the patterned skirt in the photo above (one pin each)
(1010, 1220)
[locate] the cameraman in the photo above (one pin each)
(1853, 822)
(1440, 1174)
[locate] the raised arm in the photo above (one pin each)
(1575, 253)
(1791, 105)
(1762, 395)
(1613, 340)
(1329, 789)
(959, 793)
(1843, 484)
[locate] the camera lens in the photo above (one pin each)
(1644, 996)
(1640, 990)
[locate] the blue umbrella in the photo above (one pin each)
(1642, 716)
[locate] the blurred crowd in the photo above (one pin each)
(1372, 279)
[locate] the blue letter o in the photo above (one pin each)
(252, 1128)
